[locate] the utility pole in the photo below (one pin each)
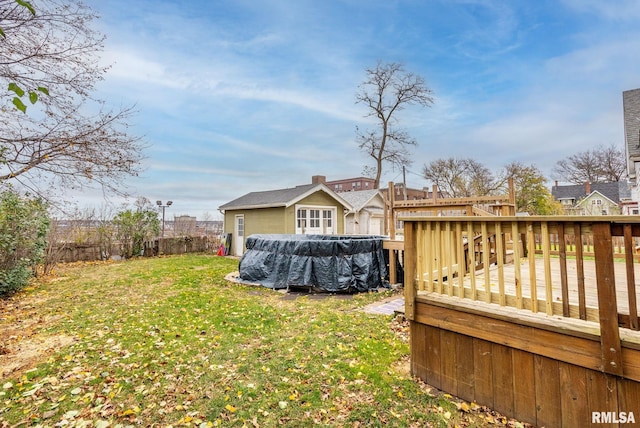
(404, 181)
(159, 203)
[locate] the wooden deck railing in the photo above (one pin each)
(618, 243)
(577, 267)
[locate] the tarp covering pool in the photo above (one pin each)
(329, 263)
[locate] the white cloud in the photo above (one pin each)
(619, 10)
(132, 67)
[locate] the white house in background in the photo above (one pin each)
(367, 214)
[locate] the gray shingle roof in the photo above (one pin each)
(631, 111)
(279, 197)
(358, 199)
(269, 198)
(625, 190)
(614, 191)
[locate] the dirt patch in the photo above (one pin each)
(26, 354)
(402, 367)
(23, 345)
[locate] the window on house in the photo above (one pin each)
(366, 184)
(314, 218)
(310, 219)
(634, 211)
(302, 219)
(597, 202)
(327, 218)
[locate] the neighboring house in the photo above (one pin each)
(631, 112)
(367, 215)
(311, 208)
(596, 204)
(357, 184)
(348, 184)
(593, 198)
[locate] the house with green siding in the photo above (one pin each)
(594, 198)
(306, 209)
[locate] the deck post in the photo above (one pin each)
(392, 211)
(512, 197)
(392, 267)
(631, 277)
(391, 227)
(607, 303)
(409, 270)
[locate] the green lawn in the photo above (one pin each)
(167, 341)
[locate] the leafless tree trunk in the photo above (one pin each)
(387, 90)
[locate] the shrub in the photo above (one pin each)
(133, 227)
(23, 230)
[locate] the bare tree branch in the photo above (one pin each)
(461, 178)
(387, 90)
(60, 146)
(604, 164)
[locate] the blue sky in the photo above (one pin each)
(244, 95)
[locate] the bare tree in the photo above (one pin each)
(481, 180)
(467, 178)
(614, 163)
(105, 231)
(461, 178)
(604, 164)
(59, 145)
(56, 245)
(387, 90)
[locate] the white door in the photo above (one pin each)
(238, 236)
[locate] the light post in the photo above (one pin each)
(159, 203)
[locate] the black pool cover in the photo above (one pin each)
(329, 263)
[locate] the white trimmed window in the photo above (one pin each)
(315, 220)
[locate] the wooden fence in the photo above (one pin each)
(74, 252)
(534, 316)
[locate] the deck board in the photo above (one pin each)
(591, 297)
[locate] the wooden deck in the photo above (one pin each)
(536, 317)
(509, 277)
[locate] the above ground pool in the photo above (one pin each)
(328, 263)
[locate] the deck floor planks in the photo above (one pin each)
(509, 272)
